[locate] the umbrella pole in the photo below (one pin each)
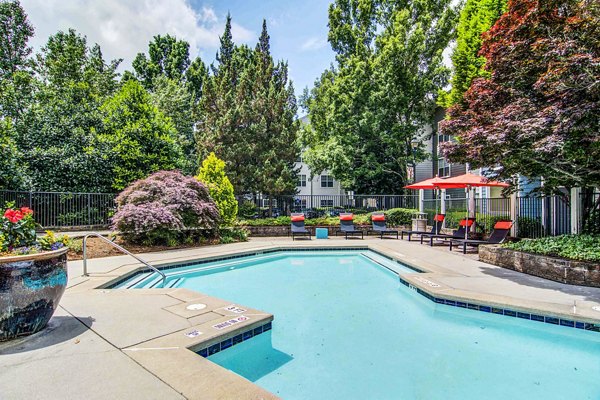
(435, 229)
(467, 227)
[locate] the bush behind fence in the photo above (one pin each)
(537, 216)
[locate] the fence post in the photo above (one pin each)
(30, 205)
(514, 213)
(89, 208)
(575, 211)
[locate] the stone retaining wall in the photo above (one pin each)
(556, 269)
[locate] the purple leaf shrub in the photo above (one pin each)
(166, 207)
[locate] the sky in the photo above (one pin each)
(123, 28)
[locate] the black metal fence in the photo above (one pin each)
(536, 216)
(261, 206)
(64, 210)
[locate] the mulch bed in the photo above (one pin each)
(97, 248)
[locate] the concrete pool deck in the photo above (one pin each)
(133, 344)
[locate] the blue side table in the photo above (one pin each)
(321, 233)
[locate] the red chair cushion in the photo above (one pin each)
(503, 225)
(466, 222)
(297, 218)
(439, 217)
(347, 217)
(378, 217)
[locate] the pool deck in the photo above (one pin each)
(136, 344)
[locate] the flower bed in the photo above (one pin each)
(557, 269)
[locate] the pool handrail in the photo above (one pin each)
(123, 250)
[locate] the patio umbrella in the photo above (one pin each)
(469, 181)
(430, 184)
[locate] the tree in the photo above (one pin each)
(139, 138)
(477, 17)
(367, 110)
(167, 56)
(537, 114)
(12, 170)
(15, 75)
(247, 117)
(176, 102)
(212, 174)
(175, 85)
(58, 133)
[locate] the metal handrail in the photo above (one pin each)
(85, 273)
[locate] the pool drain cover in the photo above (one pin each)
(196, 307)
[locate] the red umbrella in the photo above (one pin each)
(468, 181)
(430, 184)
(427, 184)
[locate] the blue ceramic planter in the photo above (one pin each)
(30, 289)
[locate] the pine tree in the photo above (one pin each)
(247, 117)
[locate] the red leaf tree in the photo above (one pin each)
(538, 113)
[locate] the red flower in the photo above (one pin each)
(26, 211)
(13, 216)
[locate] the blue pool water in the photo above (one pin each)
(346, 328)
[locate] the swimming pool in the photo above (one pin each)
(346, 328)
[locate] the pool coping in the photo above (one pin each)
(435, 291)
(177, 351)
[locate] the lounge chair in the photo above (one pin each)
(347, 226)
(380, 227)
(464, 224)
(438, 221)
(298, 228)
(499, 233)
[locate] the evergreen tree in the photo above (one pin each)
(175, 85)
(212, 174)
(138, 138)
(476, 17)
(15, 67)
(12, 170)
(58, 133)
(247, 117)
(168, 57)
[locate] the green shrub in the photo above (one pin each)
(395, 216)
(212, 174)
(574, 247)
(400, 216)
(247, 210)
(528, 227)
(233, 234)
(592, 224)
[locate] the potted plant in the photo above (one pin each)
(33, 274)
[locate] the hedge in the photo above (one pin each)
(394, 217)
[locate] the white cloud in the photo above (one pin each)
(124, 28)
(313, 43)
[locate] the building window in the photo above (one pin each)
(326, 181)
(301, 180)
(326, 203)
(443, 168)
(443, 164)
